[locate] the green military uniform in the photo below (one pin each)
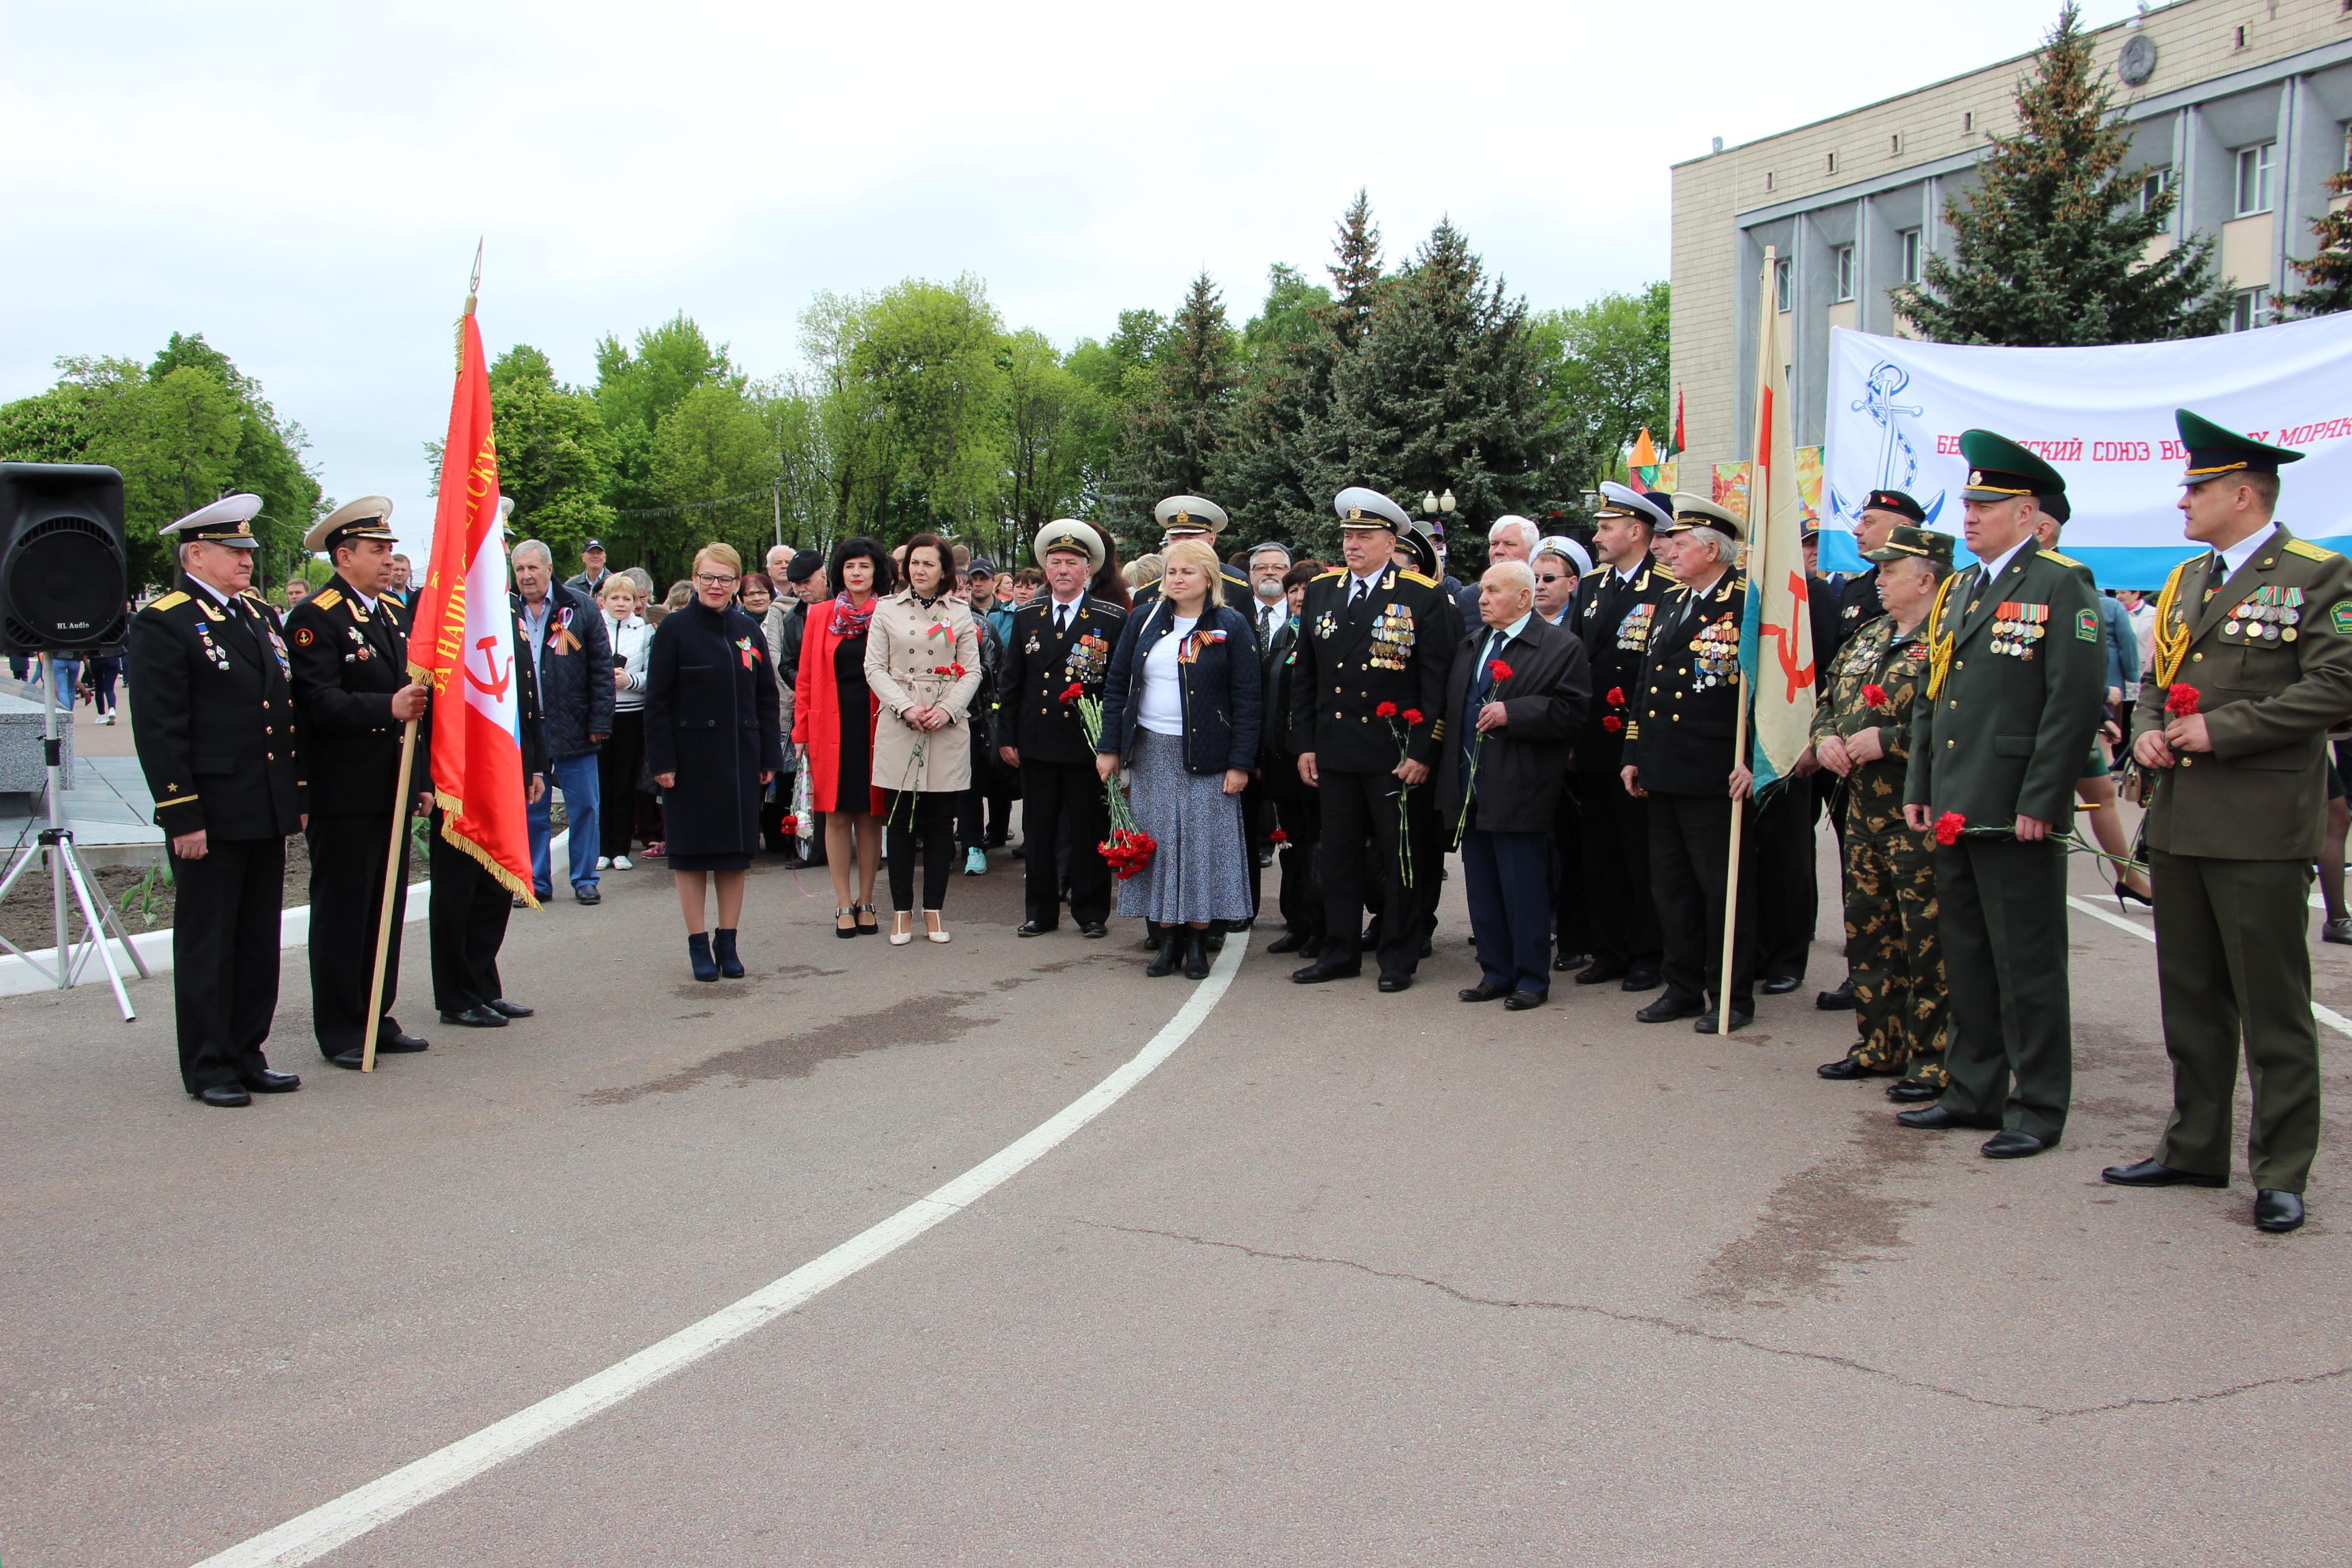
(1892, 953)
(2231, 833)
(2015, 682)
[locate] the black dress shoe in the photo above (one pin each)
(1522, 1002)
(2151, 1173)
(1033, 928)
(1288, 941)
(1838, 1001)
(476, 1018)
(1600, 973)
(1935, 1118)
(1643, 980)
(1567, 961)
(1318, 972)
(1094, 931)
(398, 1043)
(225, 1095)
(588, 895)
(2277, 1212)
(1710, 1018)
(1370, 941)
(1781, 985)
(512, 1009)
(351, 1059)
(1848, 1068)
(268, 1082)
(2009, 1144)
(1673, 1004)
(1311, 947)
(1911, 1089)
(1395, 983)
(519, 902)
(1482, 992)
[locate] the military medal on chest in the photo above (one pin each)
(1715, 654)
(1089, 656)
(1327, 625)
(212, 650)
(2272, 615)
(2017, 628)
(1633, 631)
(1391, 638)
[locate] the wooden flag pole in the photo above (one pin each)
(1759, 484)
(395, 892)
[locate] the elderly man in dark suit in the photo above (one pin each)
(1514, 698)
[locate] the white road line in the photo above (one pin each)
(2333, 1019)
(354, 1514)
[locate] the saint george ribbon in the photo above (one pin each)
(462, 640)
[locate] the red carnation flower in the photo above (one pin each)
(1500, 670)
(1949, 828)
(1611, 723)
(1616, 697)
(1073, 692)
(1876, 695)
(952, 671)
(1411, 717)
(1385, 710)
(1277, 837)
(791, 826)
(2180, 701)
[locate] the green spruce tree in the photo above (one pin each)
(1177, 430)
(2327, 276)
(2051, 247)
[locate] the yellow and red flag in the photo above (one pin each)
(462, 641)
(1777, 641)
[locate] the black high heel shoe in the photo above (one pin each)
(2123, 891)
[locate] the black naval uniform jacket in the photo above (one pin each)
(1686, 706)
(348, 662)
(1040, 664)
(1614, 616)
(215, 726)
(1397, 646)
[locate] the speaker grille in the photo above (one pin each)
(63, 581)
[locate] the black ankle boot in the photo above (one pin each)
(697, 952)
(722, 947)
(1163, 962)
(1196, 953)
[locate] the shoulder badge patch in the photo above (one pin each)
(1417, 577)
(1335, 572)
(304, 637)
(2086, 622)
(2339, 616)
(327, 598)
(171, 601)
(2308, 550)
(2061, 560)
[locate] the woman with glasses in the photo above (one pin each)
(923, 663)
(712, 743)
(832, 726)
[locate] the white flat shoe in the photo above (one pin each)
(623, 863)
(932, 930)
(902, 928)
(604, 862)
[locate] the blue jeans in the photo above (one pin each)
(65, 674)
(576, 777)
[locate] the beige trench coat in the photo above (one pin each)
(904, 650)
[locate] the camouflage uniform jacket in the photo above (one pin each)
(1874, 656)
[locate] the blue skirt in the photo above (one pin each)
(1201, 870)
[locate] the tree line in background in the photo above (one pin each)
(184, 429)
(919, 408)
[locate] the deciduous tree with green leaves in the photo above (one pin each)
(2327, 275)
(2051, 247)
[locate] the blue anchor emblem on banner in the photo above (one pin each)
(1899, 460)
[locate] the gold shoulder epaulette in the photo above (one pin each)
(327, 598)
(253, 593)
(1417, 577)
(1335, 572)
(2061, 560)
(171, 601)
(2308, 550)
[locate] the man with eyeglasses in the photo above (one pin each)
(573, 660)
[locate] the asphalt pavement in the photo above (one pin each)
(1348, 1278)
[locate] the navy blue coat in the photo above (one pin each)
(575, 674)
(1222, 704)
(711, 719)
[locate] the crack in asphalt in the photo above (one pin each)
(2041, 1413)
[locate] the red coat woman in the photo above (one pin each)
(833, 713)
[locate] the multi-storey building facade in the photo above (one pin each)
(2240, 107)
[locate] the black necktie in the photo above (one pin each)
(2217, 573)
(1356, 596)
(1061, 620)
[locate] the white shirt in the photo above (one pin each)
(1161, 710)
(218, 597)
(1367, 584)
(632, 639)
(1058, 611)
(2237, 555)
(1270, 618)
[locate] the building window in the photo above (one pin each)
(1781, 284)
(2242, 35)
(1845, 272)
(1911, 238)
(1894, 145)
(1832, 163)
(1967, 122)
(2347, 127)
(1768, 179)
(2249, 308)
(2154, 183)
(2255, 179)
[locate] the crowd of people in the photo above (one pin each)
(1568, 725)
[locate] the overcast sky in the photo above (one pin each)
(304, 183)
